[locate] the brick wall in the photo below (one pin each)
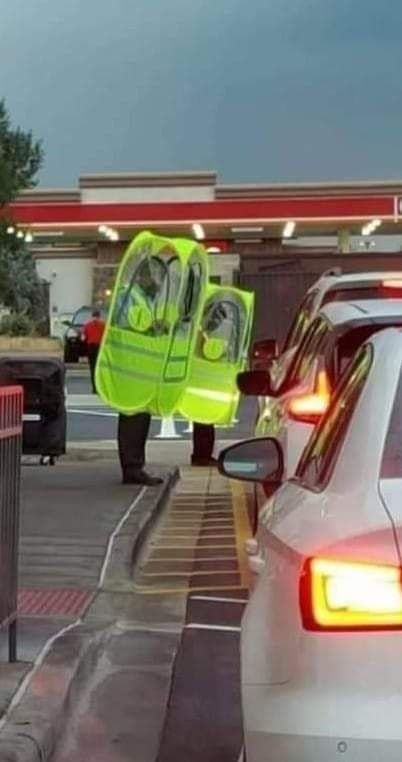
(108, 257)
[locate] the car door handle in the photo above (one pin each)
(256, 564)
(251, 546)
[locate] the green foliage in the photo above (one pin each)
(20, 158)
(21, 290)
(17, 325)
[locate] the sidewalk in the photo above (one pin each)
(79, 530)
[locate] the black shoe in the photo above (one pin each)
(210, 462)
(141, 477)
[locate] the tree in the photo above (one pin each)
(21, 290)
(20, 158)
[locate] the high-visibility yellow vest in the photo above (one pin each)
(221, 352)
(144, 359)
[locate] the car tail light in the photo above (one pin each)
(309, 408)
(395, 283)
(341, 596)
(392, 289)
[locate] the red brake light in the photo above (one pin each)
(309, 408)
(397, 284)
(346, 595)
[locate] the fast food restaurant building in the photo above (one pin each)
(254, 233)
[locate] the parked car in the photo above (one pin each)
(332, 286)
(292, 405)
(321, 635)
(74, 346)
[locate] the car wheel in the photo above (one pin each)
(70, 355)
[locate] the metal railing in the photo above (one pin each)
(11, 411)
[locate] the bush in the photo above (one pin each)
(17, 325)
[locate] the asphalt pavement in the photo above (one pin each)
(204, 722)
(197, 553)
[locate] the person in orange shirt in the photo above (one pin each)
(92, 334)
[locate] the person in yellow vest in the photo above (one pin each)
(133, 430)
(204, 434)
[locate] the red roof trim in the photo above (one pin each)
(344, 207)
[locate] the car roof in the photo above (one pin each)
(330, 280)
(342, 312)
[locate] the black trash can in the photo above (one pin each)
(45, 418)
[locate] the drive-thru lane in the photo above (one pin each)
(197, 550)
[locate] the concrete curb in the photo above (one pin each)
(35, 724)
(128, 542)
(53, 686)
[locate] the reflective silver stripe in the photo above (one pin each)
(115, 344)
(124, 372)
(134, 373)
(31, 417)
(219, 374)
(128, 348)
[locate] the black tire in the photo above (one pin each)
(47, 460)
(70, 355)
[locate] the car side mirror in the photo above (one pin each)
(254, 460)
(255, 383)
(68, 323)
(263, 352)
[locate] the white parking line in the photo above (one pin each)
(215, 599)
(213, 627)
(99, 413)
(114, 535)
(189, 560)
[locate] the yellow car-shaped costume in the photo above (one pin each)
(145, 357)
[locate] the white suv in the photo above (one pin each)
(321, 666)
(293, 404)
(332, 286)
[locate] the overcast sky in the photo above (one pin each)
(260, 90)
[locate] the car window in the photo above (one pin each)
(310, 349)
(82, 316)
(391, 467)
(319, 457)
(348, 344)
(301, 321)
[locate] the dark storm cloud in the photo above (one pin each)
(259, 90)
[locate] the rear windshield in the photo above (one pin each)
(373, 291)
(391, 467)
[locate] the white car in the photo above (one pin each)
(332, 286)
(293, 406)
(321, 642)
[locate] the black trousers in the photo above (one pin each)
(93, 351)
(132, 438)
(203, 440)
(133, 432)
